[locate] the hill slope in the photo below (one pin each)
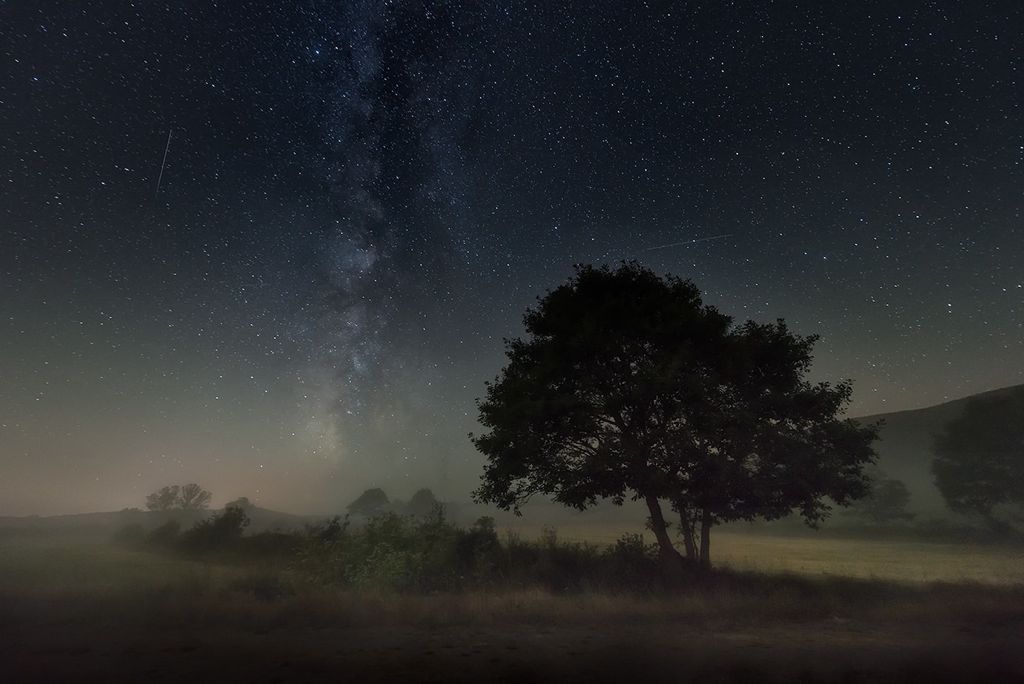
(906, 441)
(92, 524)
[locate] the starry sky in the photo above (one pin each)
(274, 247)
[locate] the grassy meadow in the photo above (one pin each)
(781, 608)
(819, 554)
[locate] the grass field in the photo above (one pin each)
(819, 554)
(73, 610)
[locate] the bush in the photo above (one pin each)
(478, 552)
(218, 531)
(387, 568)
(407, 553)
(328, 531)
(631, 562)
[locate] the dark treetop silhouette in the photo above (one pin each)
(627, 385)
(886, 501)
(979, 458)
(370, 503)
(190, 497)
(163, 499)
(423, 503)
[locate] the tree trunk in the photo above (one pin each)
(705, 540)
(688, 541)
(667, 551)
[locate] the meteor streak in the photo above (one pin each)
(689, 242)
(162, 165)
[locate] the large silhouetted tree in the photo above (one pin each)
(627, 385)
(763, 442)
(979, 458)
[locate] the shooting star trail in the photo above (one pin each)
(689, 242)
(160, 178)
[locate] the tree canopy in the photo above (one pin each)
(370, 503)
(241, 502)
(423, 503)
(628, 385)
(979, 458)
(194, 498)
(886, 501)
(190, 497)
(218, 530)
(164, 499)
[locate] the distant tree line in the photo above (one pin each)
(190, 497)
(375, 502)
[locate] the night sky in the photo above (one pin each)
(360, 198)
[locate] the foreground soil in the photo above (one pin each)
(832, 650)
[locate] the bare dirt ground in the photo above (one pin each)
(832, 650)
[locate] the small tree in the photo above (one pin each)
(241, 502)
(217, 531)
(628, 385)
(422, 504)
(193, 498)
(190, 497)
(372, 502)
(164, 499)
(979, 458)
(885, 503)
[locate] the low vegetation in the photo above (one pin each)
(429, 554)
(414, 554)
(404, 597)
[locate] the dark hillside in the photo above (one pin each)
(103, 524)
(905, 446)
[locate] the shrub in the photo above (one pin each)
(218, 531)
(631, 562)
(406, 553)
(329, 530)
(478, 552)
(386, 567)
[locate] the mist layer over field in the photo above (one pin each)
(818, 609)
